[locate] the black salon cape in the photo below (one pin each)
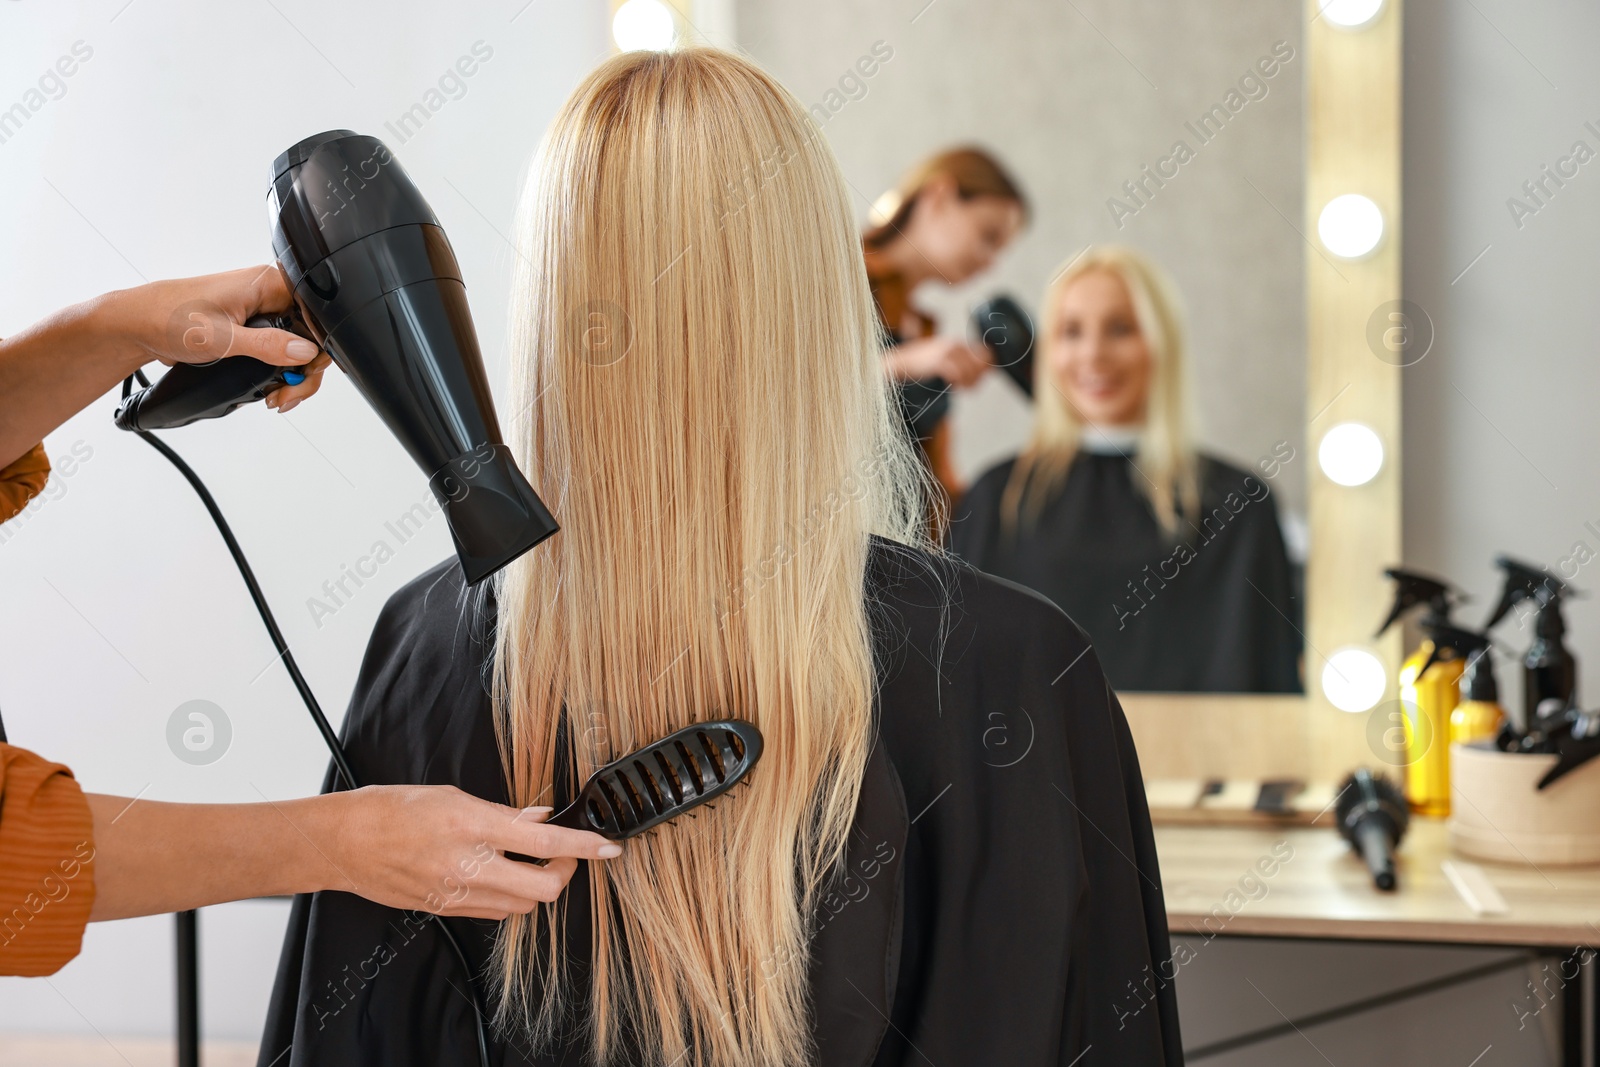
(1224, 619)
(1002, 894)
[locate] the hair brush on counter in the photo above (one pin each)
(1372, 816)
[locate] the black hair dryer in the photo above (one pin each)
(377, 285)
(1006, 331)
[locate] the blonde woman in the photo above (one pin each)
(1173, 560)
(945, 852)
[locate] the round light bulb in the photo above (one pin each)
(1350, 226)
(1350, 454)
(643, 26)
(1350, 14)
(1353, 679)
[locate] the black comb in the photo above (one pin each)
(661, 781)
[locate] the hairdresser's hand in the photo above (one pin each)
(438, 849)
(49, 371)
(950, 358)
(197, 320)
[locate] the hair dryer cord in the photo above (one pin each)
(330, 738)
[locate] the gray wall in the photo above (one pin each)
(1077, 99)
(1500, 416)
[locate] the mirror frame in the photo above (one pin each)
(1352, 124)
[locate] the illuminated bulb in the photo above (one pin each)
(1354, 680)
(1350, 226)
(1350, 14)
(1350, 454)
(643, 25)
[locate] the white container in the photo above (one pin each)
(1497, 814)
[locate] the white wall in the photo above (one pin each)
(118, 601)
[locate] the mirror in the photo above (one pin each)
(1161, 152)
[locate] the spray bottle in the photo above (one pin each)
(1479, 716)
(1549, 670)
(1429, 689)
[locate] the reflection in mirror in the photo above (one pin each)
(1128, 174)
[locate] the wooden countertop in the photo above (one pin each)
(1216, 880)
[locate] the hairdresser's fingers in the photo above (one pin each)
(498, 910)
(527, 882)
(197, 320)
(269, 290)
(253, 291)
(527, 832)
(285, 398)
(964, 365)
(278, 347)
(944, 357)
(483, 904)
(503, 887)
(497, 905)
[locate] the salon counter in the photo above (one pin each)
(1322, 890)
(1303, 883)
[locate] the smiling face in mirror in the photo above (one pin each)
(957, 238)
(1099, 358)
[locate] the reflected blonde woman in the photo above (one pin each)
(698, 393)
(1131, 379)
(1172, 559)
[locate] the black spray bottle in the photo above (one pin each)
(1549, 670)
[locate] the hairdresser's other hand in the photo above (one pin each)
(950, 358)
(435, 848)
(197, 320)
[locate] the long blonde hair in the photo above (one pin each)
(707, 415)
(1166, 468)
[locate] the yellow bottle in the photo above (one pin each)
(1430, 689)
(1479, 716)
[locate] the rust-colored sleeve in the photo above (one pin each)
(21, 481)
(46, 864)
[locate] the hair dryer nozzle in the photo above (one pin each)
(494, 514)
(377, 282)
